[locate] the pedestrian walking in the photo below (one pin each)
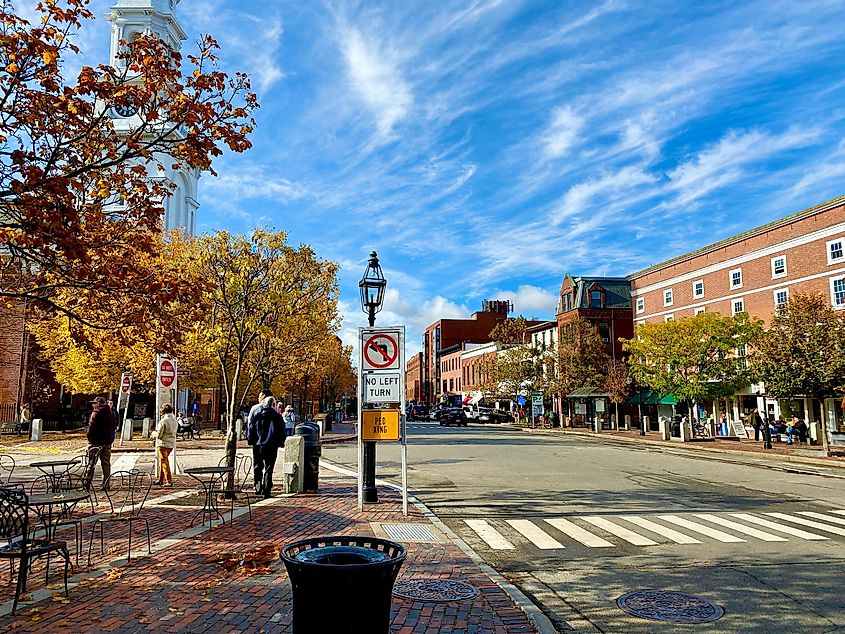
(265, 432)
(290, 418)
(24, 420)
(756, 422)
(165, 438)
(101, 430)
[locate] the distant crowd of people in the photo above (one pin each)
(789, 428)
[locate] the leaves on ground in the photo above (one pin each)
(251, 562)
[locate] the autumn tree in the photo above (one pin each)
(511, 331)
(694, 358)
(617, 384)
(80, 202)
(582, 358)
(803, 352)
(261, 292)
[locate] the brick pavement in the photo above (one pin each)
(231, 578)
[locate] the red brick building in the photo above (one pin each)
(753, 272)
(413, 379)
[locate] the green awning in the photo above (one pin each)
(649, 397)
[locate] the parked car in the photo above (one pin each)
(435, 413)
(470, 411)
(453, 416)
(486, 415)
(417, 412)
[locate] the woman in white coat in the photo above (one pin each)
(165, 436)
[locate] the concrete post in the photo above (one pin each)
(145, 432)
(627, 421)
(239, 425)
(598, 423)
(646, 425)
(295, 457)
(126, 430)
(613, 424)
(813, 433)
(686, 431)
(35, 429)
(665, 428)
(711, 426)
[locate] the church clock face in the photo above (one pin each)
(124, 110)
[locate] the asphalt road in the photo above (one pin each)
(577, 522)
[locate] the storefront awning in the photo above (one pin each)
(587, 392)
(648, 397)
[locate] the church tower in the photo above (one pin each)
(130, 18)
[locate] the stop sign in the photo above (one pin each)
(124, 387)
(167, 373)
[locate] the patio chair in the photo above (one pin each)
(7, 467)
(127, 492)
(243, 482)
(14, 527)
(44, 484)
(82, 476)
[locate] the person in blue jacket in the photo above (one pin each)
(265, 433)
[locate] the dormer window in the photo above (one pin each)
(597, 296)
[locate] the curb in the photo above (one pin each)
(699, 447)
(540, 621)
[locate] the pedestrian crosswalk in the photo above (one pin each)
(612, 531)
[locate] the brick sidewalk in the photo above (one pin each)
(231, 578)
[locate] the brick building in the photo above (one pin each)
(413, 379)
(753, 272)
(451, 374)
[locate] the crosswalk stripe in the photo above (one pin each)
(823, 517)
(126, 462)
(489, 534)
(805, 522)
(535, 534)
(793, 532)
(740, 528)
(701, 528)
(579, 534)
(619, 531)
(839, 512)
(654, 527)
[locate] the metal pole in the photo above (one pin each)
(370, 494)
(767, 432)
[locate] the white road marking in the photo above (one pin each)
(789, 530)
(701, 528)
(805, 522)
(741, 528)
(126, 462)
(654, 527)
(839, 512)
(535, 534)
(620, 531)
(579, 534)
(821, 516)
(489, 534)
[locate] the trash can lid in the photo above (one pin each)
(341, 556)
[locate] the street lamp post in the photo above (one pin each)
(371, 287)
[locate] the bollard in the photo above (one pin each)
(613, 423)
(664, 429)
(644, 425)
(145, 431)
(294, 455)
(627, 421)
(239, 427)
(126, 430)
(686, 431)
(37, 425)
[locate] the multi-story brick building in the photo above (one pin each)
(413, 379)
(451, 374)
(753, 272)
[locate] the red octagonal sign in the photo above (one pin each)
(167, 373)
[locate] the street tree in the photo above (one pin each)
(694, 358)
(581, 356)
(261, 290)
(617, 383)
(802, 354)
(81, 202)
(511, 331)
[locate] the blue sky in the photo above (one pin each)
(486, 148)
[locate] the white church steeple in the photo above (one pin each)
(130, 18)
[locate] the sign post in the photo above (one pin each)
(536, 406)
(381, 402)
(123, 401)
(167, 385)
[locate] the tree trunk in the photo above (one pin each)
(231, 430)
(823, 429)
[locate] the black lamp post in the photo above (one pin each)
(372, 287)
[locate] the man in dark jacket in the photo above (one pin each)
(265, 432)
(101, 430)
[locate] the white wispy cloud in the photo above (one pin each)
(530, 300)
(562, 132)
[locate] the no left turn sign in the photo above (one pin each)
(380, 351)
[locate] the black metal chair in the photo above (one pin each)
(14, 527)
(243, 483)
(127, 492)
(64, 517)
(82, 477)
(7, 467)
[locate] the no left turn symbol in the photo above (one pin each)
(381, 352)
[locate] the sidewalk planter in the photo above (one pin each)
(342, 583)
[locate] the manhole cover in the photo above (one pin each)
(667, 605)
(440, 590)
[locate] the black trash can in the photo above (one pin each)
(342, 583)
(311, 433)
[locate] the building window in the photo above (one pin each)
(700, 310)
(669, 318)
(836, 251)
(698, 288)
(837, 292)
(779, 266)
(742, 357)
(604, 331)
(737, 306)
(781, 297)
(667, 297)
(596, 299)
(736, 278)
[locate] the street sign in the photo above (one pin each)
(125, 389)
(380, 424)
(536, 404)
(380, 349)
(382, 387)
(166, 373)
(184, 372)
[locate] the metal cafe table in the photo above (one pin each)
(209, 478)
(52, 465)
